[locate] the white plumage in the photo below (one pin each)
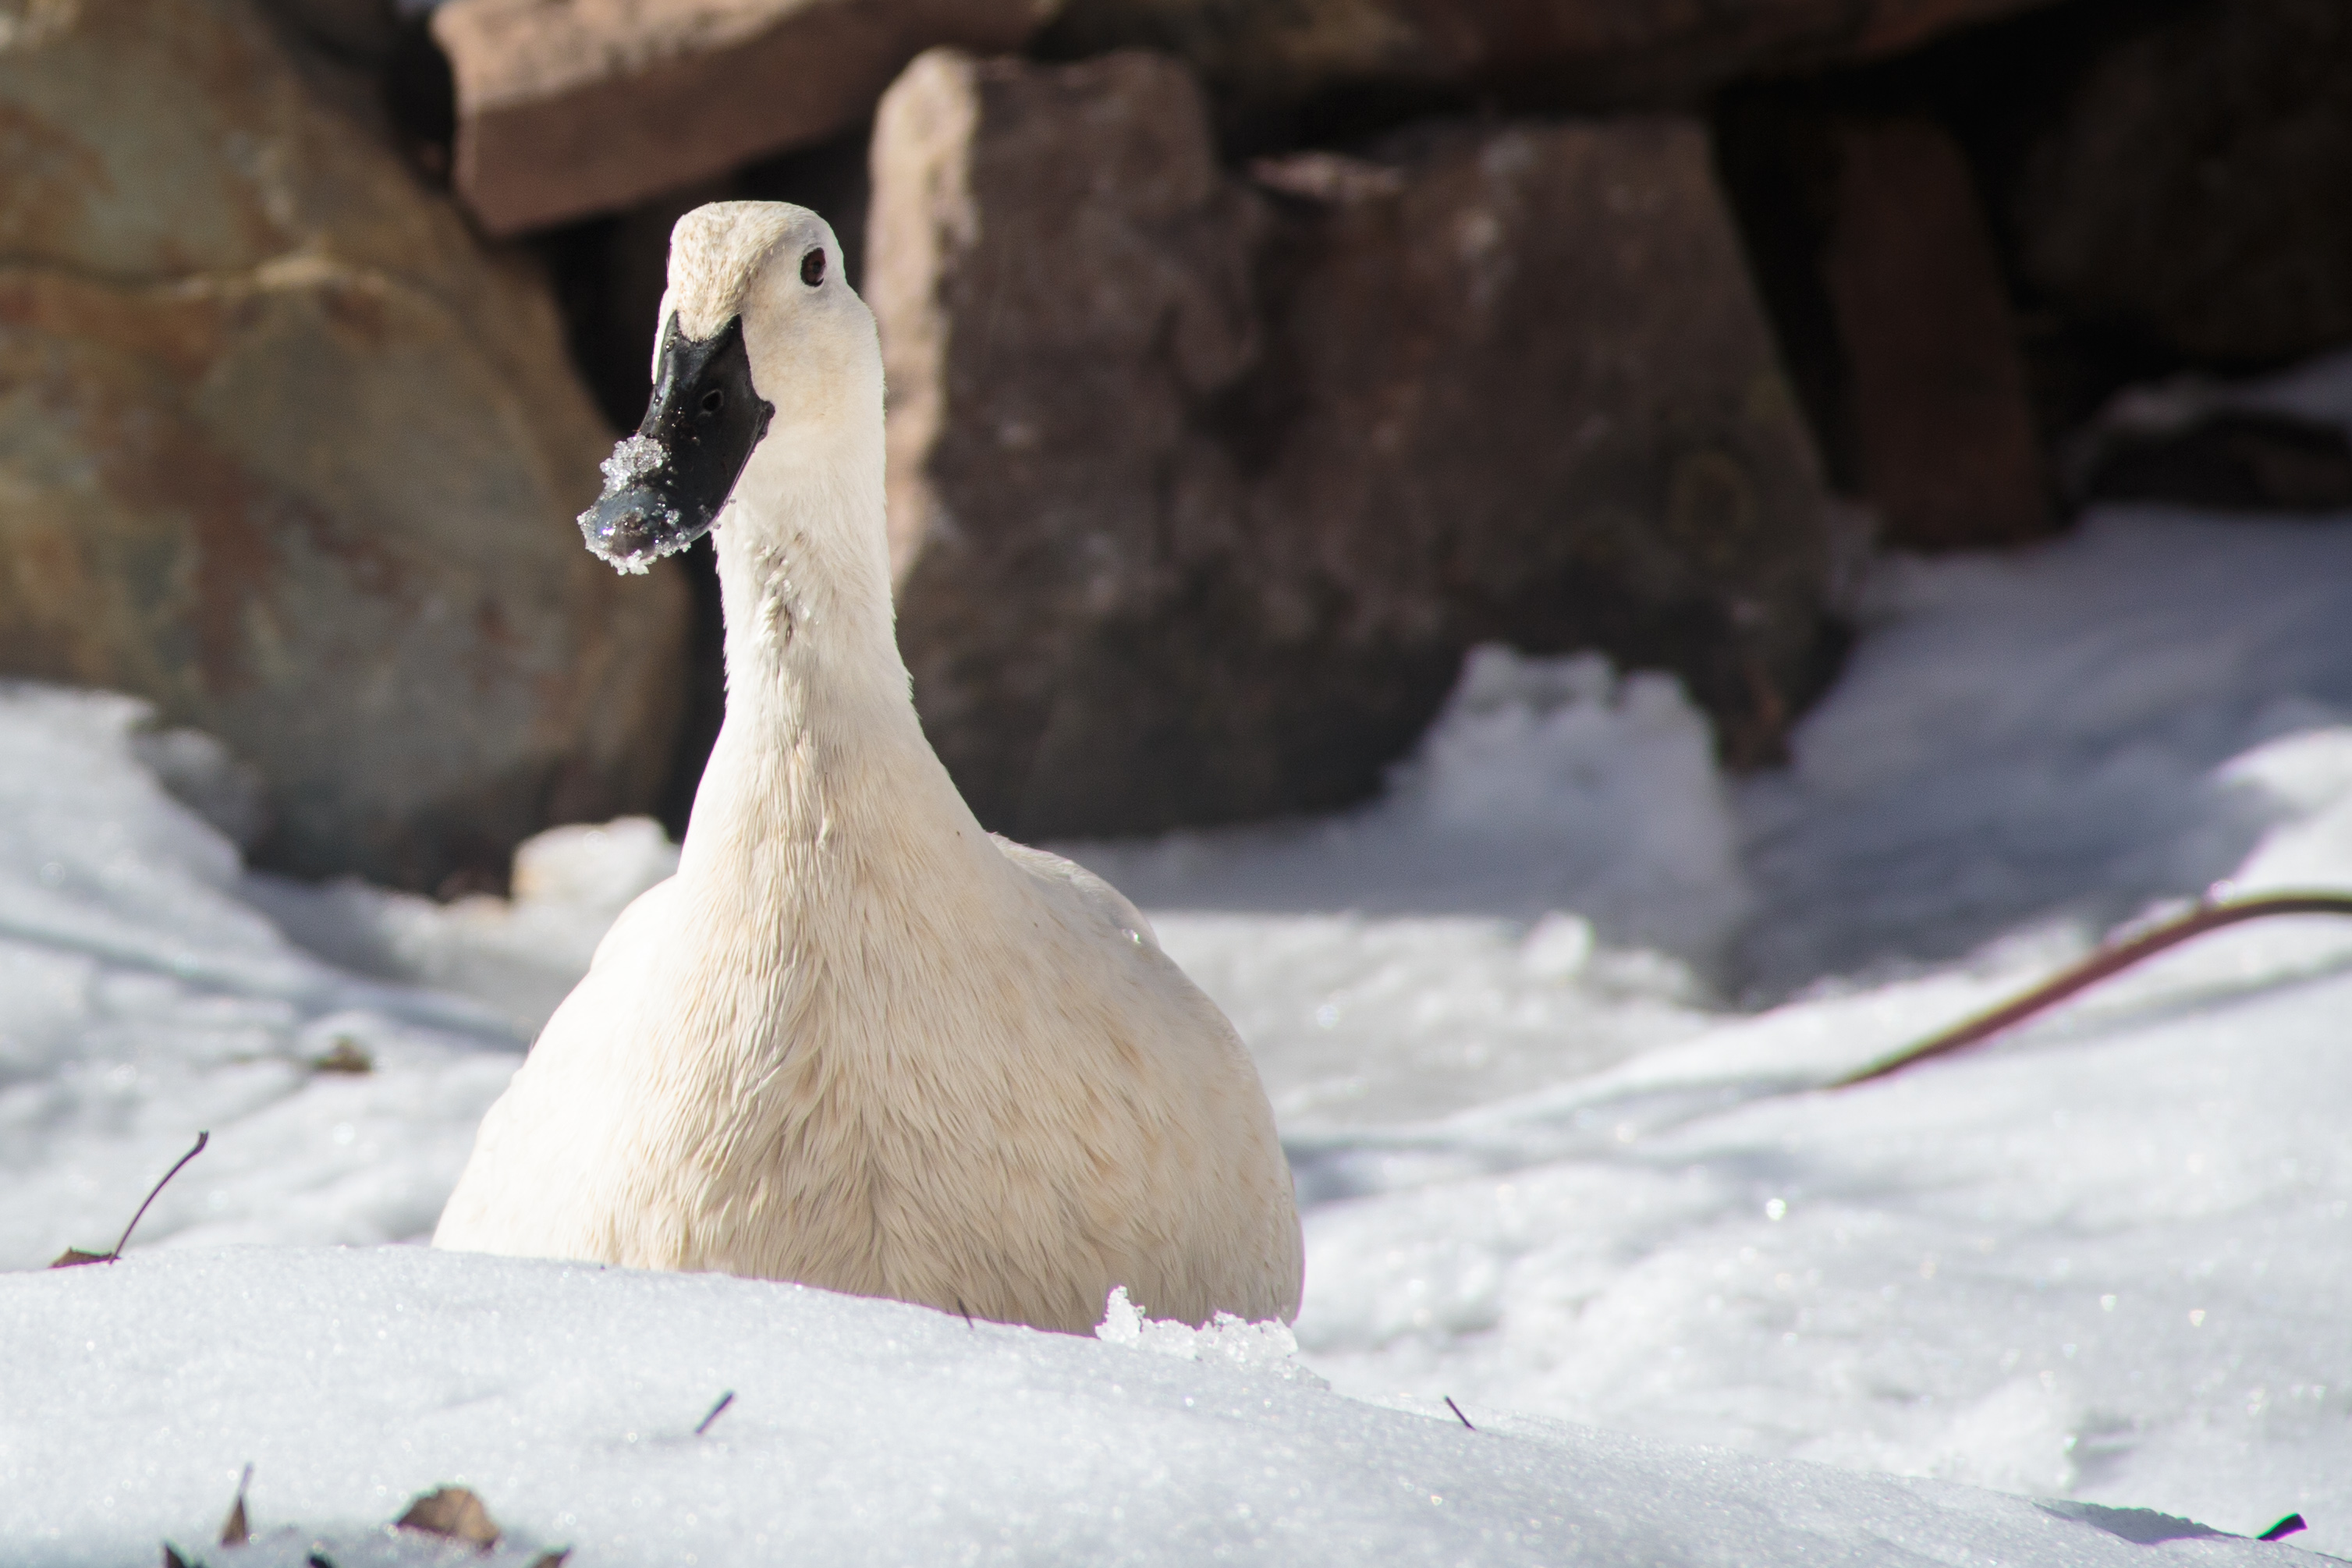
(857, 1041)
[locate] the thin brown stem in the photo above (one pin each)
(2105, 962)
(157, 1191)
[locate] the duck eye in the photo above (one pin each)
(713, 401)
(813, 268)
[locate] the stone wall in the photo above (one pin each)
(1237, 386)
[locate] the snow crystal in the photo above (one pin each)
(635, 460)
(1227, 1338)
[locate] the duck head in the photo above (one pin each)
(760, 337)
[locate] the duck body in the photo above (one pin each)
(857, 1041)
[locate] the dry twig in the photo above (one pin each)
(74, 1257)
(2109, 959)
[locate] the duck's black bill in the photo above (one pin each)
(663, 486)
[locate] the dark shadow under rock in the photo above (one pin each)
(2235, 460)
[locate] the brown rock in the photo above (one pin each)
(290, 457)
(1161, 563)
(2193, 190)
(1943, 422)
(1063, 279)
(1528, 394)
(1557, 52)
(567, 107)
(359, 30)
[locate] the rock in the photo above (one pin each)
(2191, 191)
(1062, 275)
(359, 30)
(289, 455)
(1521, 388)
(1943, 432)
(1562, 53)
(1199, 491)
(568, 107)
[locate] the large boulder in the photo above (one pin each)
(283, 451)
(567, 107)
(2190, 192)
(1581, 52)
(1520, 386)
(1200, 490)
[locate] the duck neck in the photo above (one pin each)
(821, 766)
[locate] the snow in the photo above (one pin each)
(143, 996)
(861, 1432)
(1443, 948)
(1545, 1027)
(635, 460)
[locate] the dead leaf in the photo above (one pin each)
(233, 1531)
(551, 1559)
(74, 1258)
(346, 1057)
(172, 1559)
(452, 1512)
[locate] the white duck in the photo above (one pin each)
(857, 1041)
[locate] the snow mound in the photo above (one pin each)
(1546, 783)
(143, 995)
(2054, 739)
(518, 957)
(861, 1432)
(1543, 890)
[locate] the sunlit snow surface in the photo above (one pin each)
(1539, 1026)
(861, 1433)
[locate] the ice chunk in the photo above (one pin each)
(1227, 1338)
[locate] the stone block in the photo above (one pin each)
(569, 107)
